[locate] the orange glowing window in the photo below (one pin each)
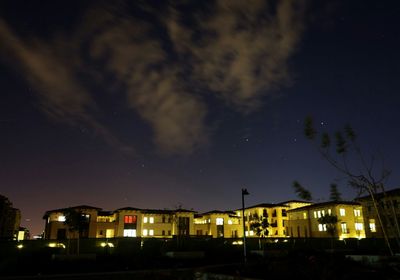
(130, 219)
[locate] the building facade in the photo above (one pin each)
(305, 222)
(123, 222)
(388, 205)
(218, 224)
(298, 219)
(276, 214)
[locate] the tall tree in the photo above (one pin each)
(301, 192)
(77, 223)
(335, 195)
(260, 225)
(330, 222)
(362, 174)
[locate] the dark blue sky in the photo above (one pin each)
(157, 105)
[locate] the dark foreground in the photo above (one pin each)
(219, 260)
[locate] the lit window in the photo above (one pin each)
(129, 232)
(319, 214)
(359, 226)
(323, 212)
(145, 220)
(219, 221)
(329, 212)
(344, 227)
(342, 212)
(61, 218)
(357, 212)
(109, 233)
(151, 232)
(21, 235)
(230, 222)
(305, 215)
(315, 214)
(322, 227)
(130, 219)
(372, 226)
(145, 232)
(151, 220)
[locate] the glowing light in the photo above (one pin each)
(21, 235)
(129, 232)
(107, 244)
(240, 242)
(109, 233)
(56, 245)
(20, 246)
(61, 218)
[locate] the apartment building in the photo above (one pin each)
(292, 218)
(218, 224)
(123, 222)
(306, 221)
(388, 204)
(275, 213)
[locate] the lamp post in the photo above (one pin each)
(244, 192)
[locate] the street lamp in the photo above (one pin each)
(244, 192)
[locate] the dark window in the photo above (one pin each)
(265, 213)
(163, 219)
(100, 232)
(61, 233)
(163, 232)
(284, 214)
(183, 226)
(169, 232)
(220, 230)
(130, 222)
(274, 213)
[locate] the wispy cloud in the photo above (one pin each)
(239, 52)
(243, 48)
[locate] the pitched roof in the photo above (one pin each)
(379, 195)
(68, 208)
(220, 212)
(296, 201)
(316, 205)
(263, 205)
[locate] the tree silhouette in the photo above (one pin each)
(335, 195)
(301, 192)
(362, 174)
(330, 221)
(77, 222)
(260, 225)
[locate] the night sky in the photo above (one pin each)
(156, 104)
